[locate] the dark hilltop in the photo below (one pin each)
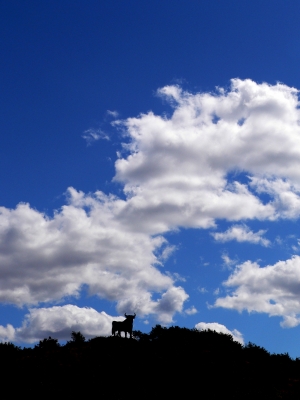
(167, 363)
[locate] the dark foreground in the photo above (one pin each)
(168, 363)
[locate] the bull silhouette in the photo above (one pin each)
(123, 326)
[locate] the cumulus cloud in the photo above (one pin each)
(59, 322)
(192, 310)
(215, 326)
(273, 290)
(171, 301)
(46, 259)
(7, 333)
(92, 135)
(284, 194)
(177, 172)
(242, 233)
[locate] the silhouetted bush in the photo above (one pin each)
(8, 348)
(48, 344)
(77, 338)
(138, 335)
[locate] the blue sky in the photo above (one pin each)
(150, 163)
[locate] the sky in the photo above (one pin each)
(150, 164)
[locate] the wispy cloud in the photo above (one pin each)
(92, 135)
(176, 276)
(167, 252)
(242, 233)
(202, 290)
(113, 114)
(227, 261)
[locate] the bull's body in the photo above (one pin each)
(123, 326)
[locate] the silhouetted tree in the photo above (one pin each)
(158, 332)
(8, 347)
(140, 336)
(48, 344)
(77, 337)
(255, 352)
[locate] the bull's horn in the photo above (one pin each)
(125, 315)
(134, 314)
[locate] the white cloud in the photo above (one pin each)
(192, 310)
(242, 233)
(171, 302)
(46, 259)
(227, 261)
(59, 322)
(202, 290)
(7, 333)
(177, 172)
(215, 326)
(285, 195)
(176, 277)
(113, 114)
(167, 252)
(273, 290)
(92, 135)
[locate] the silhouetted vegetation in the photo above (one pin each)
(77, 338)
(48, 344)
(166, 363)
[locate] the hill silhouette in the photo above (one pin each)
(166, 363)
